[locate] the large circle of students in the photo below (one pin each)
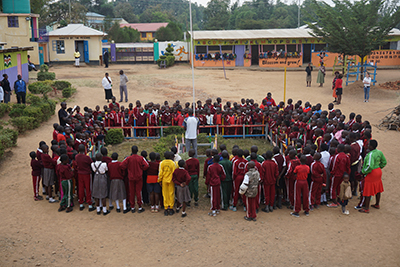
(322, 163)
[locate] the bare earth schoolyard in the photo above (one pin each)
(35, 234)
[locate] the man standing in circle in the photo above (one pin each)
(122, 86)
(309, 69)
(63, 114)
(77, 56)
(20, 89)
(191, 125)
(107, 85)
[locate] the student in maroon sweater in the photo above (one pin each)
(141, 121)
(49, 165)
(153, 187)
(117, 186)
(193, 167)
(269, 175)
(65, 174)
(239, 170)
(318, 177)
(215, 174)
(84, 170)
(36, 172)
(181, 178)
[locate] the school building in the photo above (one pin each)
(274, 48)
(15, 61)
(59, 45)
(19, 27)
(147, 30)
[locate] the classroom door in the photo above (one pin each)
(86, 51)
(41, 56)
(79, 46)
(239, 51)
(306, 53)
(254, 55)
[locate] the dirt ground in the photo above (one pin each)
(35, 234)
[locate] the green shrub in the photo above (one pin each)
(44, 68)
(34, 112)
(174, 130)
(16, 110)
(51, 102)
(41, 87)
(114, 136)
(61, 85)
(23, 123)
(4, 108)
(68, 92)
(43, 76)
(33, 99)
(164, 144)
(8, 138)
(170, 60)
(1, 150)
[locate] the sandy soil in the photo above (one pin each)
(34, 233)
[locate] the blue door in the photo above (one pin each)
(239, 51)
(86, 51)
(41, 56)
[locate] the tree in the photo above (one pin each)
(122, 35)
(216, 15)
(59, 11)
(172, 32)
(125, 11)
(354, 28)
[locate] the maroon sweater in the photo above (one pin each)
(193, 166)
(115, 171)
(64, 172)
(153, 168)
(83, 164)
(48, 162)
(181, 176)
(36, 167)
(215, 174)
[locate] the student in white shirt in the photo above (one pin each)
(107, 85)
(367, 86)
(100, 189)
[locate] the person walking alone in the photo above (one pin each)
(367, 86)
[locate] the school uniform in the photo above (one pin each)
(49, 165)
(152, 177)
(84, 172)
(301, 188)
(290, 176)
(252, 179)
(99, 190)
(340, 165)
(226, 185)
(135, 165)
(167, 168)
(180, 176)
(270, 173)
(117, 186)
(65, 174)
(239, 170)
(36, 172)
(215, 174)
(193, 167)
(318, 177)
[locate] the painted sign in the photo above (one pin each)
(260, 41)
(7, 61)
(281, 62)
(181, 50)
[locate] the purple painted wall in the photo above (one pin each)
(13, 73)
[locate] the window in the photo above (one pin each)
(153, 34)
(227, 48)
(213, 48)
(60, 48)
(268, 48)
(143, 34)
(201, 49)
(13, 22)
(320, 47)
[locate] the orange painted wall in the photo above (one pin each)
(247, 62)
(213, 63)
(280, 62)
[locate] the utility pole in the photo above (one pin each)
(298, 16)
(69, 11)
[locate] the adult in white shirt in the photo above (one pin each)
(367, 86)
(107, 85)
(191, 125)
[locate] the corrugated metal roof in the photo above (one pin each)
(76, 30)
(145, 27)
(93, 14)
(302, 32)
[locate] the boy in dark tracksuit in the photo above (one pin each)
(226, 185)
(65, 172)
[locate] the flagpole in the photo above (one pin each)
(192, 53)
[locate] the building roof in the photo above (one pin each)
(302, 32)
(76, 30)
(145, 27)
(93, 14)
(15, 49)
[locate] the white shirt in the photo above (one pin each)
(1, 94)
(106, 84)
(367, 81)
(177, 158)
(210, 119)
(191, 124)
(102, 169)
(325, 158)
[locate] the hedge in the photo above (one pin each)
(43, 76)
(175, 130)
(114, 136)
(4, 108)
(68, 92)
(8, 138)
(170, 60)
(16, 110)
(41, 87)
(61, 85)
(23, 123)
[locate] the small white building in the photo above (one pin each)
(63, 42)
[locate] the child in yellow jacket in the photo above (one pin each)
(167, 168)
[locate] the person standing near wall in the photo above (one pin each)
(105, 58)
(5, 83)
(20, 89)
(77, 57)
(191, 125)
(122, 86)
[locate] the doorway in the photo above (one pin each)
(306, 53)
(81, 49)
(254, 55)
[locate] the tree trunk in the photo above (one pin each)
(362, 68)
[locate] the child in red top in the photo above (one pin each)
(318, 177)
(215, 174)
(181, 179)
(301, 187)
(270, 173)
(193, 167)
(239, 170)
(65, 175)
(36, 172)
(153, 188)
(117, 186)
(48, 173)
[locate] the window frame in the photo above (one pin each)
(59, 44)
(143, 34)
(13, 21)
